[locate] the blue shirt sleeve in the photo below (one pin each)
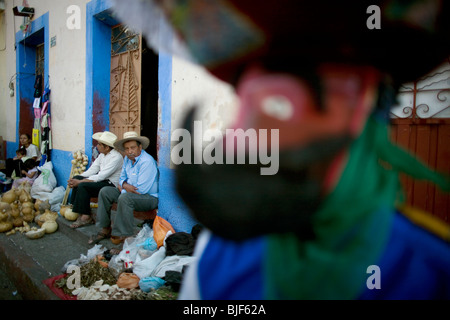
(146, 176)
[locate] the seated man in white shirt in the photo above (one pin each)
(105, 171)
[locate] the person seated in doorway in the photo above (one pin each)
(104, 172)
(31, 151)
(137, 190)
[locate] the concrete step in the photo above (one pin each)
(29, 262)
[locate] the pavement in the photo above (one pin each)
(27, 263)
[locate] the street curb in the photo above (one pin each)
(24, 272)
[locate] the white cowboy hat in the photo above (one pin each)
(132, 136)
(105, 137)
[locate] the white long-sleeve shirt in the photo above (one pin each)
(106, 167)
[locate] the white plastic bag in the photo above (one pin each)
(83, 259)
(172, 263)
(145, 267)
(115, 266)
(44, 183)
(56, 197)
(131, 244)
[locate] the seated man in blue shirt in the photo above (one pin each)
(137, 190)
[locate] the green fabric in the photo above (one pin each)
(45, 175)
(352, 226)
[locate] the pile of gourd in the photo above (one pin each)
(79, 162)
(17, 211)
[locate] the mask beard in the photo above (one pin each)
(236, 202)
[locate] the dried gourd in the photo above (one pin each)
(3, 216)
(15, 213)
(27, 211)
(49, 215)
(17, 222)
(38, 221)
(5, 226)
(44, 205)
(10, 196)
(5, 211)
(64, 208)
(5, 206)
(24, 196)
(50, 226)
(28, 217)
(36, 204)
(35, 234)
(70, 215)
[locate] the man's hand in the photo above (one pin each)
(73, 183)
(129, 188)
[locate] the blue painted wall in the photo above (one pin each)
(171, 207)
(25, 68)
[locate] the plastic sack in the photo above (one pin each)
(128, 280)
(149, 244)
(115, 266)
(150, 283)
(83, 259)
(131, 244)
(160, 229)
(172, 263)
(145, 267)
(146, 248)
(45, 182)
(56, 197)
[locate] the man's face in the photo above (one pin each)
(102, 148)
(132, 149)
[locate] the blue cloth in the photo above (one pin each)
(414, 265)
(143, 174)
(230, 270)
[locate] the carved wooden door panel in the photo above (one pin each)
(125, 94)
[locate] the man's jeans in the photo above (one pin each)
(123, 224)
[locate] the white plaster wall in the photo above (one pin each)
(7, 70)
(67, 70)
(192, 86)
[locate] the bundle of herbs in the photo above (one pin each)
(89, 274)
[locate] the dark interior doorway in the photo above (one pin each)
(149, 98)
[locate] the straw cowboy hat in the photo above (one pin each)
(132, 136)
(105, 137)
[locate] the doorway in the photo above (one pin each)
(133, 86)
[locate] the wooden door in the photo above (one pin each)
(125, 94)
(421, 124)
